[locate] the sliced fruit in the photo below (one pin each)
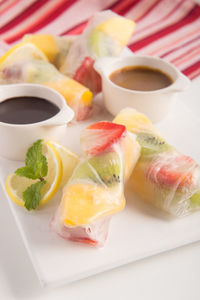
(110, 36)
(171, 171)
(87, 75)
(84, 203)
(102, 136)
(69, 161)
(134, 121)
(20, 51)
(109, 168)
(195, 199)
(85, 173)
(118, 28)
(104, 170)
(45, 42)
(16, 185)
(151, 143)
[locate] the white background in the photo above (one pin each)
(173, 275)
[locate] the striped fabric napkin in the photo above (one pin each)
(166, 28)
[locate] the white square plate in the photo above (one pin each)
(137, 232)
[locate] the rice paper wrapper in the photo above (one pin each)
(56, 48)
(95, 191)
(99, 39)
(162, 176)
(26, 66)
(170, 181)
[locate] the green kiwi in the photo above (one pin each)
(195, 200)
(100, 169)
(108, 167)
(85, 171)
(151, 143)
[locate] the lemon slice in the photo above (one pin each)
(22, 50)
(69, 161)
(16, 185)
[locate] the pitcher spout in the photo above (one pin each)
(181, 84)
(65, 115)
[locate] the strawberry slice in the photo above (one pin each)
(176, 170)
(87, 75)
(102, 136)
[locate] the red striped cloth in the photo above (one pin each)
(166, 28)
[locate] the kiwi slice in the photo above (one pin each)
(108, 167)
(195, 200)
(151, 143)
(84, 171)
(100, 169)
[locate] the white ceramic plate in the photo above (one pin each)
(137, 232)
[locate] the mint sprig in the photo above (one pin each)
(36, 167)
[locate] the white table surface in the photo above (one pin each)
(173, 275)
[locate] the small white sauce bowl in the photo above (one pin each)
(155, 104)
(15, 139)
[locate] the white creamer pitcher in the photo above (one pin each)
(155, 104)
(15, 139)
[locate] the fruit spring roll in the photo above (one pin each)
(162, 175)
(25, 63)
(106, 34)
(95, 191)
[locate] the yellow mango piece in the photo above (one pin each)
(45, 42)
(70, 89)
(85, 203)
(119, 29)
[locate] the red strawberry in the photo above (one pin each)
(87, 75)
(177, 170)
(101, 136)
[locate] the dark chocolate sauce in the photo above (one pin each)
(26, 110)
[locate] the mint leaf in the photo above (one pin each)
(26, 172)
(32, 195)
(36, 163)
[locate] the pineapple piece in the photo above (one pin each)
(118, 28)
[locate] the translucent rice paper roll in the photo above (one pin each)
(25, 63)
(95, 191)
(56, 48)
(106, 34)
(162, 175)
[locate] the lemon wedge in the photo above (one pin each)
(69, 161)
(22, 50)
(16, 185)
